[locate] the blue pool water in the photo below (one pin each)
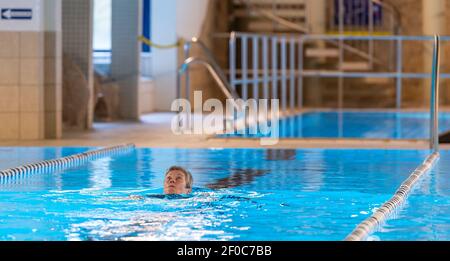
(11, 157)
(239, 194)
(374, 125)
(426, 215)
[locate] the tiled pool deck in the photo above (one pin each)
(154, 131)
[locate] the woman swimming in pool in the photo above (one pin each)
(178, 181)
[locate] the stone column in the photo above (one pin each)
(126, 50)
(316, 15)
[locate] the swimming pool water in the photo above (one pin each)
(374, 125)
(240, 194)
(11, 157)
(426, 216)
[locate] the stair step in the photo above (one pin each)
(356, 66)
(284, 13)
(264, 26)
(271, 2)
(322, 53)
(377, 80)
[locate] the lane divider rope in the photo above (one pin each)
(368, 226)
(67, 162)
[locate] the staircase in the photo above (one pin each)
(359, 56)
(260, 17)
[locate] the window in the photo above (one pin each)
(102, 25)
(102, 35)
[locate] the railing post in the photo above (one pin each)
(244, 67)
(283, 74)
(232, 60)
(341, 16)
(434, 110)
(266, 67)
(179, 84)
(255, 46)
(300, 73)
(341, 53)
(371, 31)
(292, 74)
(274, 67)
(187, 51)
(399, 72)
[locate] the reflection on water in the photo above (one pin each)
(238, 178)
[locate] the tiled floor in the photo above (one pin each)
(154, 131)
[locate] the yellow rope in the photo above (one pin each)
(160, 46)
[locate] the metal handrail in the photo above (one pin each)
(223, 84)
(210, 58)
(434, 104)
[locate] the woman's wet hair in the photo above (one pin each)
(187, 175)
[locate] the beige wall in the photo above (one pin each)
(214, 15)
(172, 20)
(30, 80)
(190, 16)
(126, 50)
(164, 61)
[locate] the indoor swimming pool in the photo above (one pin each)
(350, 124)
(239, 194)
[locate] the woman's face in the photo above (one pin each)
(175, 183)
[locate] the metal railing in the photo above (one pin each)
(272, 66)
(366, 17)
(210, 63)
(272, 14)
(351, 17)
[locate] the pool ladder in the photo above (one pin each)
(211, 65)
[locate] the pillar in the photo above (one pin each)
(126, 51)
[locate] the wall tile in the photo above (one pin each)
(31, 44)
(31, 127)
(50, 73)
(10, 126)
(9, 44)
(9, 71)
(31, 72)
(9, 99)
(31, 99)
(50, 50)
